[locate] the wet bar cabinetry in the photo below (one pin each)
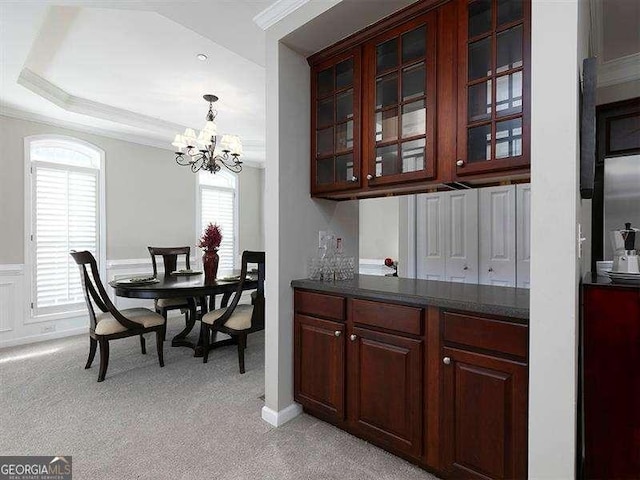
(434, 96)
(418, 369)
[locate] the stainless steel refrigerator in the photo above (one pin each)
(621, 196)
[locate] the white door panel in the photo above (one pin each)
(496, 220)
(461, 245)
(523, 234)
(430, 250)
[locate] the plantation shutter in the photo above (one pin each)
(218, 206)
(65, 218)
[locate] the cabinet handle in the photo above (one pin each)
(490, 269)
(466, 268)
(353, 338)
(369, 177)
(337, 333)
(446, 360)
(354, 179)
(460, 163)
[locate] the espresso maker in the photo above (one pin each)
(625, 255)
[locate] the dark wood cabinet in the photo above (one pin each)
(335, 123)
(493, 85)
(385, 389)
(441, 95)
(611, 381)
(445, 390)
(319, 354)
(484, 416)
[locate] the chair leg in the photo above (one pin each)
(104, 358)
(143, 345)
(93, 344)
(165, 314)
(204, 334)
(160, 334)
(242, 344)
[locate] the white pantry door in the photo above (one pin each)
(523, 234)
(497, 223)
(461, 236)
(430, 236)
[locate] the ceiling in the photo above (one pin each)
(130, 70)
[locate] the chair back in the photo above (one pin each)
(169, 257)
(257, 319)
(94, 290)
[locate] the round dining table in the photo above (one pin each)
(195, 290)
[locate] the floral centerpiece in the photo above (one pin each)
(210, 243)
(391, 263)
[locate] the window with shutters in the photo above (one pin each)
(217, 201)
(66, 205)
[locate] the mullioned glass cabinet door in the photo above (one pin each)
(335, 123)
(399, 103)
(493, 85)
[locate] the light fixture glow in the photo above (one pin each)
(202, 57)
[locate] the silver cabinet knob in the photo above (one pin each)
(353, 338)
(337, 333)
(354, 179)
(446, 360)
(369, 177)
(460, 163)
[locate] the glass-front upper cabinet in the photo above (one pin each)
(399, 103)
(493, 85)
(335, 123)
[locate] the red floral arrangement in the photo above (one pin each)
(388, 262)
(211, 238)
(391, 263)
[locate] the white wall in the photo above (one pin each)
(558, 40)
(379, 228)
(149, 200)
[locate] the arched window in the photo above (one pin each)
(217, 203)
(65, 196)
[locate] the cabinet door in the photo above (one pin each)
(461, 231)
(430, 236)
(493, 85)
(335, 123)
(385, 389)
(399, 103)
(319, 365)
(523, 234)
(496, 220)
(485, 416)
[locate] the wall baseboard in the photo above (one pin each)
(278, 419)
(43, 337)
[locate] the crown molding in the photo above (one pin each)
(620, 70)
(276, 12)
(71, 103)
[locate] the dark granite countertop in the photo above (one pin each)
(504, 301)
(594, 280)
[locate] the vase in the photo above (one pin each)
(210, 262)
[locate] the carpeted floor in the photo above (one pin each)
(184, 421)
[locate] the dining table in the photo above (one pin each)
(196, 291)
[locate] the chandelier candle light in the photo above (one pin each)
(200, 150)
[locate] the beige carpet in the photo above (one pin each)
(184, 421)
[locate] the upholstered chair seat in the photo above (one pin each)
(107, 324)
(240, 319)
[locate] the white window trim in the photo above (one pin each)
(236, 219)
(28, 224)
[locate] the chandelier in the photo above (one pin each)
(200, 150)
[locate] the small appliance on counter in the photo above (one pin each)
(626, 262)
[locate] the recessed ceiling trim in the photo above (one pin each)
(49, 91)
(10, 112)
(276, 12)
(620, 70)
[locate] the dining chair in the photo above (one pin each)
(238, 320)
(170, 259)
(110, 323)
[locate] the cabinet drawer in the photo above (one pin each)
(486, 333)
(319, 305)
(389, 316)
